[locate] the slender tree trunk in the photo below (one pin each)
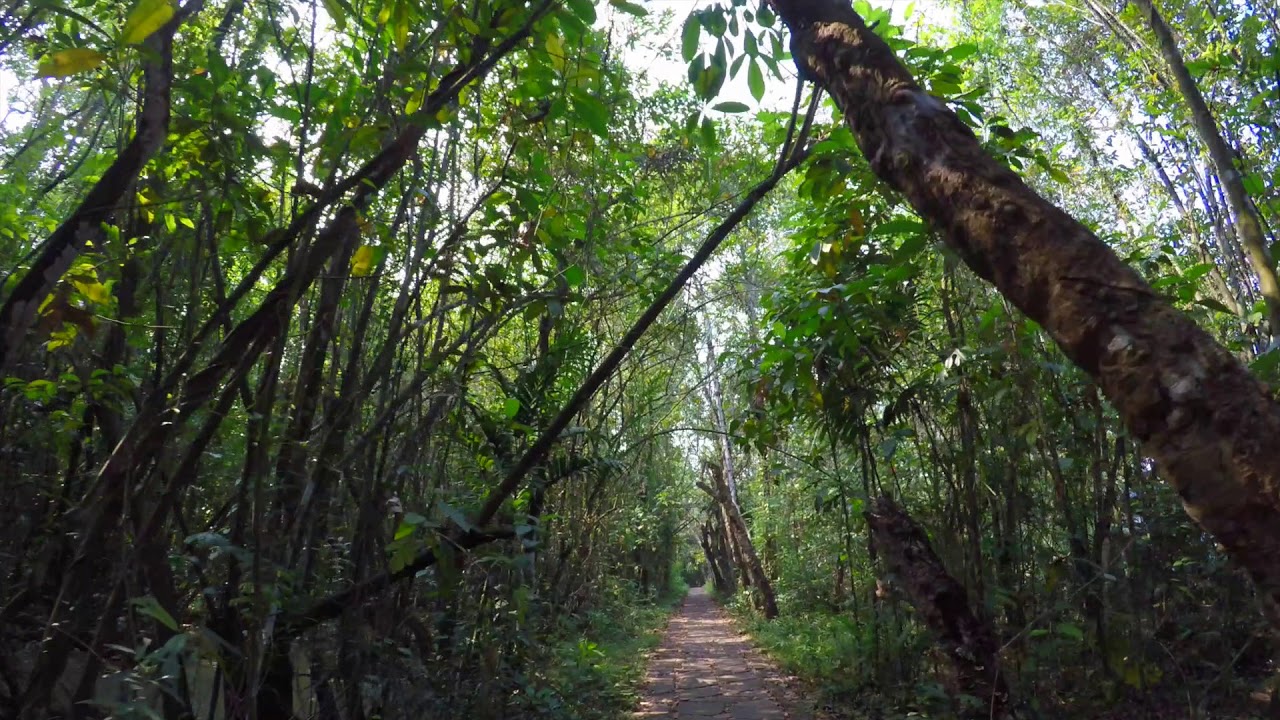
(1248, 224)
(84, 225)
(736, 528)
(1209, 424)
(715, 405)
(717, 559)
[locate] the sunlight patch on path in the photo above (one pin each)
(705, 668)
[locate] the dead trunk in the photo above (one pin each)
(1208, 423)
(736, 529)
(717, 559)
(943, 605)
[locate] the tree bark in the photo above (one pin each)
(942, 603)
(736, 528)
(1208, 423)
(67, 243)
(717, 558)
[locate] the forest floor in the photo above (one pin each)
(706, 668)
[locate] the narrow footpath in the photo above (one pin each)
(705, 668)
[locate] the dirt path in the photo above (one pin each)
(705, 668)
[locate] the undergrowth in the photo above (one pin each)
(595, 670)
(833, 654)
(814, 648)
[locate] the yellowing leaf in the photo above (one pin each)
(62, 337)
(69, 62)
(415, 102)
(146, 17)
(400, 25)
(362, 261)
(555, 48)
(855, 219)
(402, 35)
(95, 291)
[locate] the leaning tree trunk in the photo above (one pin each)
(943, 605)
(761, 586)
(717, 558)
(1209, 424)
(736, 529)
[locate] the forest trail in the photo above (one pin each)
(706, 668)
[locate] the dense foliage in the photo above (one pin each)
(344, 373)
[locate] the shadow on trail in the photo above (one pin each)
(705, 668)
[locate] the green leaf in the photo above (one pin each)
(1214, 305)
(911, 246)
(898, 226)
(574, 275)
(1073, 632)
(629, 8)
(456, 516)
(1197, 271)
(207, 540)
(592, 113)
(510, 407)
(584, 9)
(731, 107)
(764, 15)
(710, 79)
(715, 21)
(962, 51)
(1264, 366)
(696, 68)
(1253, 184)
(70, 62)
(755, 80)
(416, 101)
(1199, 67)
(146, 17)
(149, 606)
(41, 390)
(689, 38)
(407, 525)
(337, 13)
